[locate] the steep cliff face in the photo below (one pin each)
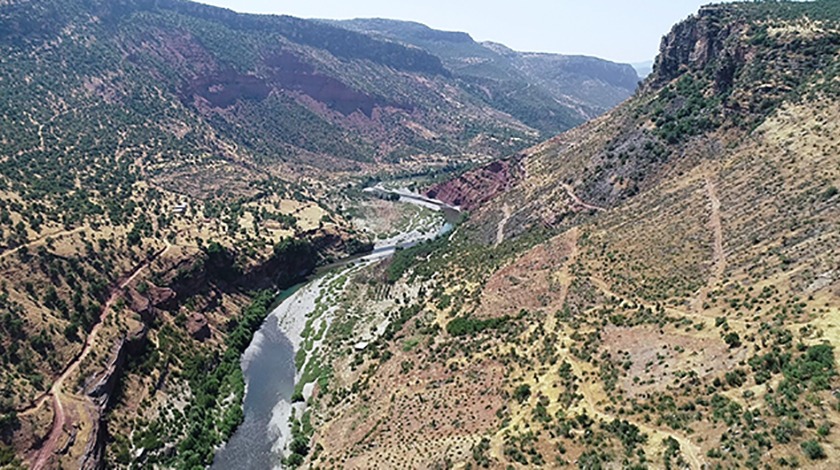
(477, 187)
(710, 39)
(773, 49)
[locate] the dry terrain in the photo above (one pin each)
(657, 288)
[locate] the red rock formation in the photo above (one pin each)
(474, 188)
(198, 327)
(162, 297)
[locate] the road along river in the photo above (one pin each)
(269, 362)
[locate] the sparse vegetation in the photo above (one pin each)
(662, 292)
(694, 309)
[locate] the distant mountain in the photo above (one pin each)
(269, 92)
(643, 68)
(549, 92)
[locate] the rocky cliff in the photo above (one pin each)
(710, 39)
(476, 187)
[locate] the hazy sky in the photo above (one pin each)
(620, 30)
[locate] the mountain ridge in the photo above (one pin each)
(571, 88)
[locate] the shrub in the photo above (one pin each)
(294, 461)
(299, 445)
(463, 326)
(733, 340)
(522, 393)
(735, 378)
(815, 369)
(813, 450)
(628, 433)
(824, 430)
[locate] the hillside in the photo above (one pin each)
(549, 92)
(657, 288)
(164, 167)
(214, 80)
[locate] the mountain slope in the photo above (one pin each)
(549, 92)
(656, 288)
(215, 80)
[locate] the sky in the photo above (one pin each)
(620, 30)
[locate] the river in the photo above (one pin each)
(268, 362)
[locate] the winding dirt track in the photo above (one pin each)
(718, 254)
(717, 228)
(500, 230)
(48, 449)
(571, 192)
(41, 241)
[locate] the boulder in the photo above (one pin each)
(198, 327)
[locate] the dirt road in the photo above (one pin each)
(42, 240)
(719, 257)
(500, 230)
(42, 460)
(718, 254)
(571, 192)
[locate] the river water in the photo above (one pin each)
(268, 363)
(269, 368)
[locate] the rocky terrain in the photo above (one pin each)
(656, 288)
(476, 187)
